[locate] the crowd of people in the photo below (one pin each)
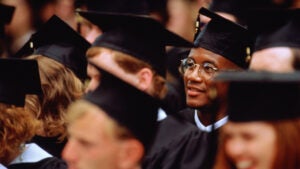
(149, 84)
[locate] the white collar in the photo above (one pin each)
(161, 114)
(32, 153)
(208, 128)
(2, 166)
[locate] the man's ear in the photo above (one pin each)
(131, 154)
(145, 76)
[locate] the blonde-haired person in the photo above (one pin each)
(62, 67)
(263, 127)
(18, 125)
(111, 127)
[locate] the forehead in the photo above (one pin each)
(248, 127)
(93, 125)
(201, 55)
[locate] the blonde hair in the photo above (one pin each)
(60, 87)
(133, 65)
(81, 107)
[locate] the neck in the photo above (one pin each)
(211, 114)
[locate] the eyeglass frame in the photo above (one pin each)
(184, 67)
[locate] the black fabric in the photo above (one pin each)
(172, 102)
(50, 144)
(18, 78)
(58, 41)
(225, 38)
(47, 163)
(178, 145)
(273, 28)
(262, 96)
(6, 14)
(139, 36)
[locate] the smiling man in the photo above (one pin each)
(221, 46)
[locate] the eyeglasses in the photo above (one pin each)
(205, 69)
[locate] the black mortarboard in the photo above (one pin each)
(262, 96)
(130, 107)
(139, 36)
(18, 78)
(139, 7)
(5, 16)
(225, 38)
(276, 27)
(239, 8)
(58, 41)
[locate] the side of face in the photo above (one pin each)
(250, 144)
(196, 83)
(90, 143)
(142, 80)
(275, 59)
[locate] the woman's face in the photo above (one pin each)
(250, 145)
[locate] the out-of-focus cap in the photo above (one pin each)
(262, 96)
(58, 41)
(18, 77)
(139, 36)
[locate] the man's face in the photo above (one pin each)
(90, 144)
(198, 77)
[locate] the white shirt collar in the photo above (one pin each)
(2, 166)
(32, 153)
(161, 114)
(208, 128)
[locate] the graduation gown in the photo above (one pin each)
(178, 145)
(50, 144)
(35, 157)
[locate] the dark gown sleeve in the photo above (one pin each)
(51, 144)
(178, 145)
(47, 163)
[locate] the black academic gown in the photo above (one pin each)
(50, 144)
(47, 163)
(178, 145)
(34, 157)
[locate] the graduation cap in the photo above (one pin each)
(139, 36)
(225, 38)
(18, 77)
(275, 27)
(139, 7)
(262, 96)
(5, 16)
(130, 107)
(58, 41)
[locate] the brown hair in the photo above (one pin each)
(288, 153)
(60, 87)
(132, 65)
(16, 127)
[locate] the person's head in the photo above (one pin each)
(130, 69)
(96, 140)
(275, 31)
(112, 127)
(17, 125)
(129, 52)
(62, 66)
(60, 87)
(221, 46)
(263, 127)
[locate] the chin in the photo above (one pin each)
(195, 104)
